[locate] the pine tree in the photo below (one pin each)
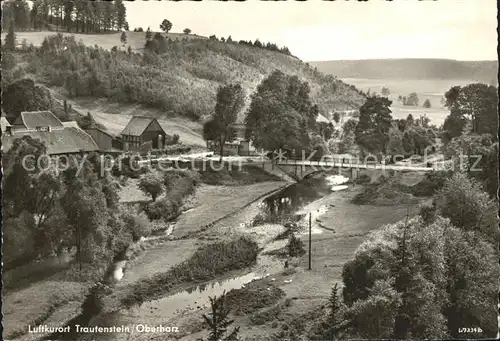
(334, 304)
(10, 39)
(123, 38)
(121, 15)
(218, 320)
(403, 282)
(149, 35)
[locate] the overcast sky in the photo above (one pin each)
(320, 30)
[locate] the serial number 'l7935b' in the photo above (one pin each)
(470, 330)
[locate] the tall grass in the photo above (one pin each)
(205, 264)
(248, 300)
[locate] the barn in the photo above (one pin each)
(141, 131)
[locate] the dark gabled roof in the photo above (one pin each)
(102, 131)
(69, 140)
(137, 125)
(33, 119)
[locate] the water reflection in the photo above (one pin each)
(292, 198)
(194, 298)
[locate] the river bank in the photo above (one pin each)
(305, 291)
(338, 228)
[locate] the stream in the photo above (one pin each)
(297, 200)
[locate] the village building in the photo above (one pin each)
(239, 146)
(59, 138)
(143, 131)
(107, 142)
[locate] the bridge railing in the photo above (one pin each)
(328, 162)
(349, 163)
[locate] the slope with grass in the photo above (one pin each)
(180, 82)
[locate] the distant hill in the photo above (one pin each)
(484, 71)
(181, 82)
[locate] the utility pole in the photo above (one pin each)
(310, 217)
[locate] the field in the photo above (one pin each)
(433, 90)
(115, 116)
(216, 202)
(41, 303)
(106, 41)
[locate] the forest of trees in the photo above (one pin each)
(60, 210)
(257, 43)
(79, 16)
(154, 80)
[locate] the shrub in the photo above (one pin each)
(175, 139)
(166, 209)
(428, 213)
(363, 179)
(25, 95)
(128, 169)
(93, 303)
(247, 300)
(182, 180)
(266, 315)
(290, 228)
(151, 184)
(19, 240)
(137, 226)
(176, 149)
(295, 247)
(431, 184)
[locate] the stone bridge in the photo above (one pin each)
(301, 169)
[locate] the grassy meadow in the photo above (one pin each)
(432, 89)
(115, 117)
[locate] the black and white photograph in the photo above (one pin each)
(249, 170)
